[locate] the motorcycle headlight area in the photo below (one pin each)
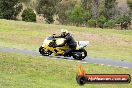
(45, 42)
(60, 41)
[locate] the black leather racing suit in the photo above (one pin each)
(70, 41)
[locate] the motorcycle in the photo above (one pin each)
(49, 47)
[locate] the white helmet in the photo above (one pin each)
(64, 31)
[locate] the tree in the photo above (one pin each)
(66, 7)
(25, 1)
(95, 9)
(30, 3)
(47, 8)
(92, 6)
(86, 4)
(87, 7)
(109, 9)
(129, 2)
(76, 15)
(9, 9)
(28, 15)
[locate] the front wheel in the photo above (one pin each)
(43, 52)
(80, 54)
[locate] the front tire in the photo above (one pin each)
(43, 52)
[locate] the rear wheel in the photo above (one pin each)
(43, 52)
(80, 54)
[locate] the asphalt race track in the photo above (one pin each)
(101, 61)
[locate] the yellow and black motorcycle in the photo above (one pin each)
(49, 47)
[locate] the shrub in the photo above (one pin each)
(28, 15)
(122, 19)
(101, 21)
(92, 23)
(109, 24)
(87, 16)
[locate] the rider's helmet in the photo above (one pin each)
(64, 32)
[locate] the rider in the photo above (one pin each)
(69, 40)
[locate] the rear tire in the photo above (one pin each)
(80, 57)
(43, 52)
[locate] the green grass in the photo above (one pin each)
(21, 71)
(104, 43)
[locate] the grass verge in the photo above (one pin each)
(20, 71)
